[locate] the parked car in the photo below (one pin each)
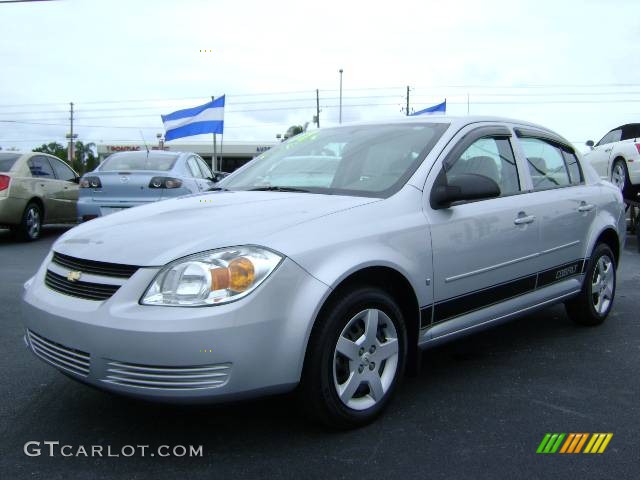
(616, 157)
(427, 229)
(36, 189)
(130, 179)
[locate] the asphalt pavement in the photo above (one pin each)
(479, 409)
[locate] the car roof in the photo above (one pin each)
(152, 152)
(626, 125)
(459, 122)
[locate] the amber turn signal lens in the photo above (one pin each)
(241, 274)
(237, 277)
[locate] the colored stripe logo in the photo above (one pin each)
(574, 442)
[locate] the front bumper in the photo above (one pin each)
(253, 346)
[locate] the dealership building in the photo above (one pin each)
(230, 154)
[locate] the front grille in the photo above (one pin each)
(65, 358)
(86, 290)
(96, 268)
(168, 378)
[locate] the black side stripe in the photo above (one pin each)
(560, 273)
(483, 298)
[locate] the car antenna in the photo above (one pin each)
(145, 143)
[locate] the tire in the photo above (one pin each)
(594, 303)
(620, 177)
(368, 380)
(31, 224)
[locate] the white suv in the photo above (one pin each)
(617, 157)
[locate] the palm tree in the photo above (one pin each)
(85, 159)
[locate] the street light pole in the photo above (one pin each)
(340, 114)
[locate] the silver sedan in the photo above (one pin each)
(330, 277)
(129, 179)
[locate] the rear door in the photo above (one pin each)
(45, 186)
(66, 191)
(484, 252)
(196, 174)
(564, 205)
(208, 181)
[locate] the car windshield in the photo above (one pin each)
(7, 160)
(363, 160)
(127, 161)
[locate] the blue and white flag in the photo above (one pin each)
(435, 110)
(207, 118)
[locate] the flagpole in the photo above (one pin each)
(221, 147)
(222, 137)
(214, 160)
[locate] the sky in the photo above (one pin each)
(569, 65)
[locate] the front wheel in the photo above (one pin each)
(355, 359)
(594, 303)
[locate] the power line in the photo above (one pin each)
(311, 92)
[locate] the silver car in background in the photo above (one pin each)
(130, 179)
(330, 277)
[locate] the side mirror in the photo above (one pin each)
(76, 180)
(462, 187)
(590, 144)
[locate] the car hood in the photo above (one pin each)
(155, 234)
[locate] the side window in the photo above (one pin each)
(575, 172)
(546, 164)
(206, 173)
(62, 171)
(612, 136)
(40, 167)
(491, 157)
(193, 168)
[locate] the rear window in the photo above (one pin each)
(7, 160)
(125, 162)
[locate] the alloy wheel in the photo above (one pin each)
(33, 222)
(619, 175)
(365, 359)
(602, 284)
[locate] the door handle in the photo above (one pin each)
(586, 207)
(608, 149)
(524, 220)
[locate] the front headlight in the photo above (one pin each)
(211, 278)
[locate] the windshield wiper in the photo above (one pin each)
(275, 188)
(218, 189)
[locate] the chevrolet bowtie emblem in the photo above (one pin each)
(74, 276)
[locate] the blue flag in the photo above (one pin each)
(436, 109)
(207, 118)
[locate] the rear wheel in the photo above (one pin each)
(594, 303)
(620, 176)
(31, 224)
(355, 359)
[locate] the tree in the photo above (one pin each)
(293, 130)
(85, 159)
(54, 149)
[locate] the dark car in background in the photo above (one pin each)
(129, 179)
